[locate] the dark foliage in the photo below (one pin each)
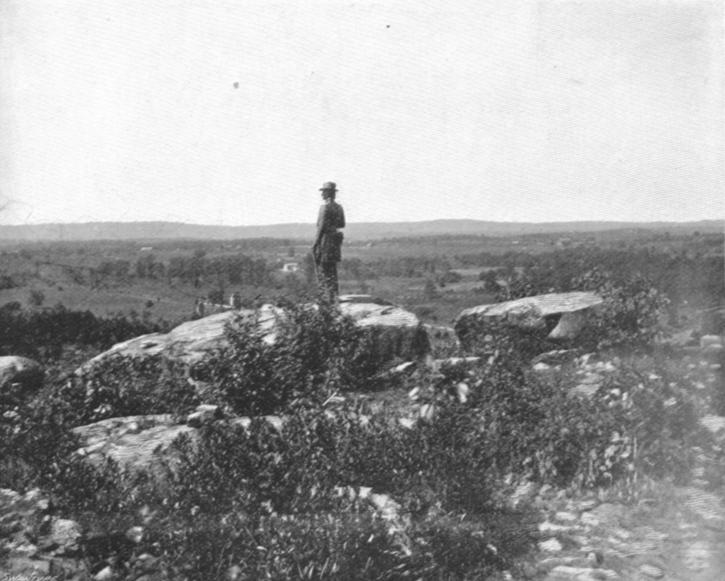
(43, 333)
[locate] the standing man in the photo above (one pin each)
(328, 242)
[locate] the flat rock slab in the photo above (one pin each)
(569, 314)
(399, 333)
(140, 442)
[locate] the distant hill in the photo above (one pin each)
(359, 231)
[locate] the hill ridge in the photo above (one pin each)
(153, 230)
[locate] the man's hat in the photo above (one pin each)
(329, 186)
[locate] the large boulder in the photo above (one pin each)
(396, 331)
(554, 316)
(189, 343)
(19, 377)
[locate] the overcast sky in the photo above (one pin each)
(236, 111)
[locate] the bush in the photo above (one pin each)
(632, 315)
(316, 353)
(276, 503)
(44, 333)
(643, 419)
(121, 386)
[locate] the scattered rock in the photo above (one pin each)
(556, 357)
(588, 504)
(541, 366)
(651, 571)
(66, 534)
(386, 506)
(564, 573)
(456, 360)
(204, 414)
(523, 493)
(567, 517)
(19, 378)
(105, 574)
(697, 556)
(550, 546)
(552, 528)
(713, 423)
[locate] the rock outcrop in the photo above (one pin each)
(19, 377)
(396, 331)
(555, 316)
(143, 442)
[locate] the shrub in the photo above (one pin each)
(275, 503)
(44, 333)
(121, 386)
(632, 313)
(316, 352)
(643, 419)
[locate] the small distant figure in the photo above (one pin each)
(199, 308)
(327, 249)
(235, 301)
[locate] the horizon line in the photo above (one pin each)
(30, 224)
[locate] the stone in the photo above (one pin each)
(550, 546)
(565, 573)
(710, 341)
(204, 414)
(587, 504)
(567, 517)
(556, 315)
(105, 574)
(706, 505)
(713, 424)
(388, 508)
(453, 361)
(584, 390)
(397, 333)
(552, 528)
(556, 357)
(146, 562)
(697, 556)
(524, 493)
(66, 534)
(651, 571)
(20, 377)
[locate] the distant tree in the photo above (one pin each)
(36, 298)
(216, 296)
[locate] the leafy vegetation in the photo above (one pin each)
(43, 333)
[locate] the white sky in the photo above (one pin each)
(499, 110)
